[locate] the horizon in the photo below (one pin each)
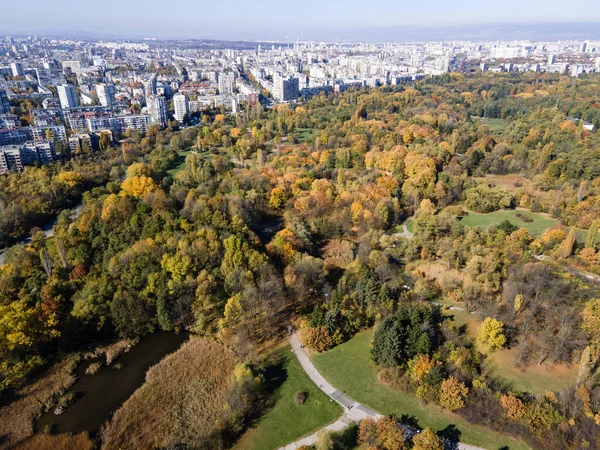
(568, 30)
(268, 19)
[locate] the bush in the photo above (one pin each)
(318, 339)
(300, 397)
(524, 218)
(93, 368)
(507, 226)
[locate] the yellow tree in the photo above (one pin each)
(453, 394)
(515, 408)
(427, 440)
(566, 249)
(389, 434)
(367, 432)
(138, 186)
(591, 320)
(491, 333)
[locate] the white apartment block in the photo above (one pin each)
(181, 105)
(157, 108)
(67, 96)
(106, 94)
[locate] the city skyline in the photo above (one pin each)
(270, 20)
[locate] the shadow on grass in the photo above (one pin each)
(345, 439)
(450, 434)
(275, 374)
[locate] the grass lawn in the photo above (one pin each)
(538, 226)
(540, 222)
(179, 163)
(285, 422)
(410, 225)
(349, 367)
(495, 125)
(500, 364)
(304, 134)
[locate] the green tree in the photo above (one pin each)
(592, 235)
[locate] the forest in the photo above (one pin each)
(246, 225)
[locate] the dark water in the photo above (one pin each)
(266, 230)
(99, 396)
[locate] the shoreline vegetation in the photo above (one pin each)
(247, 223)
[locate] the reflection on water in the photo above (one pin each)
(99, 396)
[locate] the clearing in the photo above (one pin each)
(495, 125)
(349, 368)
(304, 134)
(285, 422)
(500, 364)
(179, 163)
(537, 226)
(539, 222)
(511, 182)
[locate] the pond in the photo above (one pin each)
(267, 229)
(98, 396)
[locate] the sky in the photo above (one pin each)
(274, 19)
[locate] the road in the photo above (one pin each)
(405, 233)
(353, 411)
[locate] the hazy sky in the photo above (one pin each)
(269, 18)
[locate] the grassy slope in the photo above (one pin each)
(349, 368)
(540, 222)
(304, 134)
(535, 379)
(495, 125)
(538, 226)
(285, 422)
(180, 164)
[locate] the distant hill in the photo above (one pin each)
(475, 32)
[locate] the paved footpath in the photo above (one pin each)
(353, 411)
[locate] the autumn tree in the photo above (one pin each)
(367, 433)
(591, 320)
(324, 441)
(452, 394)
(566, 248)
(427, 440)
(491, 333)
(390, 435)
(514, 407)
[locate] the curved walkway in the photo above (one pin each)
(405, 233)
(353, 411)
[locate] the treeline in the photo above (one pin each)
(158, 250)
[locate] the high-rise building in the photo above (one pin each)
(157, 108)
(106, 94)
(67, 96)
(551, 59)
(584, 47)
(180, 102)
(226, 83)
(4, 105)
(150, 85)
(17, 69)
(285, 89)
